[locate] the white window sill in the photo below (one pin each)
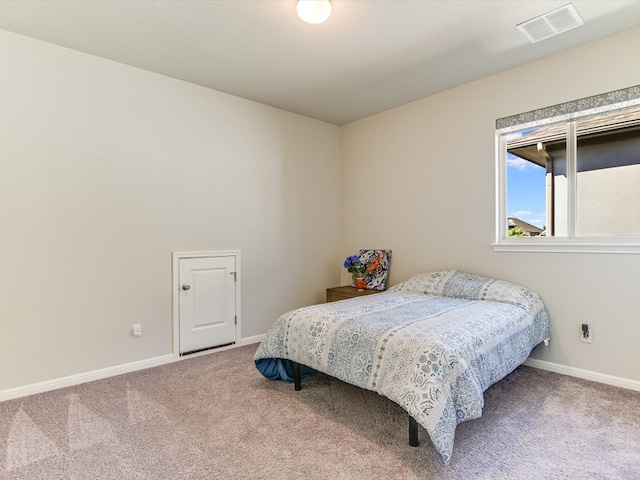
(549, 245)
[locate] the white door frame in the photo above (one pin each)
(175, 283)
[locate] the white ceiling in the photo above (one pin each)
(370, 56)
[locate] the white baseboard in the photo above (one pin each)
(54, 384)
(84, 377)
(250, 340)
(78, 378)
(585, 374)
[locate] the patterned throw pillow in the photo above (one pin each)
(377, 263)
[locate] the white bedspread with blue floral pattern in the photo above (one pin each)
(433, 344)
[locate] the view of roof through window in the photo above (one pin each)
(606, 172)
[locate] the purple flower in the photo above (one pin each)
(354, 266)
(350, 261)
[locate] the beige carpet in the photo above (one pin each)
(215, 417)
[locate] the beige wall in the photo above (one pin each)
(107, 169)
(420, 179)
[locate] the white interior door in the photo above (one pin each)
(207, 312)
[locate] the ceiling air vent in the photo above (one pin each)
(552, 23)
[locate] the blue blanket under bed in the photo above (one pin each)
(281, 369)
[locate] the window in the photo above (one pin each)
(569, 176)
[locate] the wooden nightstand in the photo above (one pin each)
(342, 293)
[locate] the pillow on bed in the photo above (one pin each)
(456, 284)
(429, 283)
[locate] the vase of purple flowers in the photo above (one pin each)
(357, 270)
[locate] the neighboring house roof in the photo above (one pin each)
(533, 146)
(527, 227)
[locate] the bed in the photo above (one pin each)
(433, 344)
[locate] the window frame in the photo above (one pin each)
(566, 113)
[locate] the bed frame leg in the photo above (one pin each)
(413, 432)
(296, 376)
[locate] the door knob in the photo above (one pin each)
(186, 286)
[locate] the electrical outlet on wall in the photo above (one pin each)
(586, 334)
(136, 330)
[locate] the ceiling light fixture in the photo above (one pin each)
(314, 11)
